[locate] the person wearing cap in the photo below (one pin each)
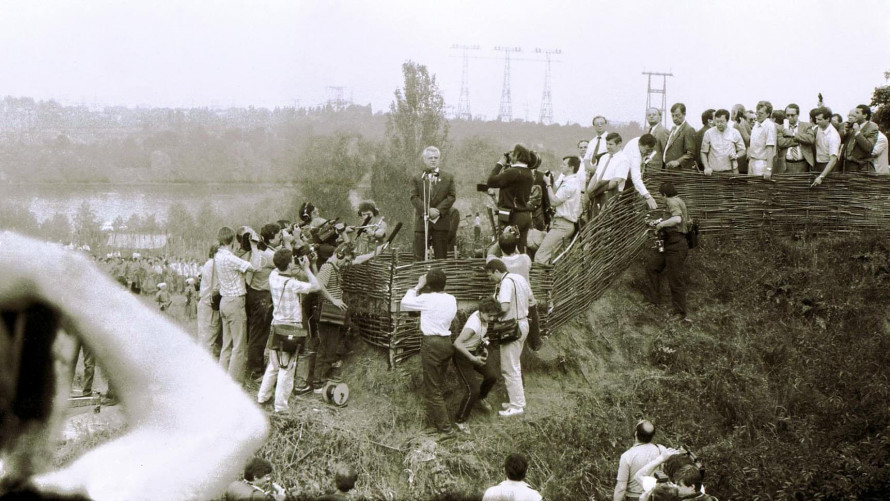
(437, 310)
(162, 297)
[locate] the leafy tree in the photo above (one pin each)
(57, 228)
(881, 99)
(329, 168)
(86, 225)
(416, 120)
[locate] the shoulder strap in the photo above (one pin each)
(515, 294)
(284, 288)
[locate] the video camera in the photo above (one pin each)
(325, 231)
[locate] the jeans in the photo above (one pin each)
(474, 391)
(89, 367)
(671, 263)
(233, 356)
(209, 328)
(258, 304)
(510, 368)
(561, 230)
(435, 353)
(280, 375)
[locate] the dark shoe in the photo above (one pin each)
(108, 401)
(483, 405)
(304, 390)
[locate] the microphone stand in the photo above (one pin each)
(427, 184)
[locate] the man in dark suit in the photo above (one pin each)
(653, 119)
(680, 148)
(796, 140)
(432, 196)
(707, 121)
(859, 137)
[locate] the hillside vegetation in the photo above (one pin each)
(779, 385)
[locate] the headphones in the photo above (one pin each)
(306, 211)
(368, 206)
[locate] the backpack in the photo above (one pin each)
(692, 234)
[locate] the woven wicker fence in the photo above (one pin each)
(735, 206)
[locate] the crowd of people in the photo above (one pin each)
(270, 306)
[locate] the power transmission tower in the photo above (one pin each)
(662, 91)
(463, 104)
(547, 99)
(505, 111)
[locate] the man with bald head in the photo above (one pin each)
(660, 132)
(633, 459)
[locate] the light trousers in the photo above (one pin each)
(510, 368)
(279, 376)
(233, 356)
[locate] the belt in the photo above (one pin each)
(795, 161)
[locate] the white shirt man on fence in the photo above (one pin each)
(565, 198)
(611, 174)
(642, 152)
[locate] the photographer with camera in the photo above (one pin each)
(288, 343)
(432, 196)
(680, 468)
(230, 272)
(670, 259)
(514, 178)
(473, 354)
(565, 196)
(371, 233)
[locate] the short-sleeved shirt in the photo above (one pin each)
(615, 166)
(286, 298)
(230, 273)
(828, 144)
(675, 206)
(479, 328)
(514, 289)
(632, 461)
(720, 145)
(520, 264)
(763, 134)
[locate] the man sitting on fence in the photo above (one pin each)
(437, 311)
(611, 174)
(565, 197)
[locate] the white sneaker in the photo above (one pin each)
(505, 405)
(512, 411)
(463, 427)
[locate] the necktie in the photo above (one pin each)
(670, 140)
(596, 149)
(794, 151)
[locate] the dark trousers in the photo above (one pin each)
(258, 304)
(523, 221)
(435, 354)
(671, 263)
(796, 167)
(473, 391)
(439, 240)
(329, 339)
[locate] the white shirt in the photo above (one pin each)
(511, 490)
(828, 143)
(285, 298)
(879, 154)
(582, 171)
(614, 166)
(632, 152)
(437, 310)
(518, 296)
(566, 198)
(720, 145)
(763, 135)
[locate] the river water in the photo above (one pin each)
(109, 201)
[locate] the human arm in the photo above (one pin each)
(622, 480)
(673, 206)
(687, 138)
(417, 194)
(651, 466)
(186, 441)
(451, 195)
(500, 177)
(411, 301)
(832, 161)
(460, 344)
(314, 285)
(324, 277)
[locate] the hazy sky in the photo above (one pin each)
(274, 53)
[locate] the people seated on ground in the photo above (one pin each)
(256, 484)
(514, 295)
(633, 459)
(473, 354)
(345, 477)
(514, 488)
(437, 310)
(171, 449)
(287, 342)
(675, 465)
